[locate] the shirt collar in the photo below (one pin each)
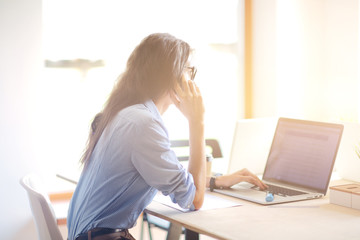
(156, 114)
(149, 104)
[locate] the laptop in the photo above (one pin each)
(299, 164)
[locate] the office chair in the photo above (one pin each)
(153, 221)
(41, 208)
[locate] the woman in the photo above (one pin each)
(128, 156)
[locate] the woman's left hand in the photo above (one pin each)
(243, 175)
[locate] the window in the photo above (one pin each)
(108, 31)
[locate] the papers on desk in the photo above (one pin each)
(210, 202)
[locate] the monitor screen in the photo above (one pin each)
(303, 153)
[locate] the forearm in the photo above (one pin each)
(197, 161)
(229, 180)
(187, 98)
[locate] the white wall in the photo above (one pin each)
(342, 59)
(20, 66)
(306, 59)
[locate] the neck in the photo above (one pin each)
(162, 105)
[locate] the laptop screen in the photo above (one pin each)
(303, 153)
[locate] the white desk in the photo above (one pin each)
(312, 219)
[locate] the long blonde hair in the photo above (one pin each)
(152, 69)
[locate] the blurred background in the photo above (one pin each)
(256, 58)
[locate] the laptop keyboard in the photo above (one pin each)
(281, 191)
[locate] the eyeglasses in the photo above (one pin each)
(193, 72)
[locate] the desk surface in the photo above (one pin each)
(311, 219)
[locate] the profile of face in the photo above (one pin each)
(188, 74)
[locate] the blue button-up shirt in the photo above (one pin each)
(131, 161)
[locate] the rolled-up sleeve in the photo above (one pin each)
(158, 164)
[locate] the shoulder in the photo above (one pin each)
(139, 117)
(137, 114)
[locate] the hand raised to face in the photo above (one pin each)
(188, 99)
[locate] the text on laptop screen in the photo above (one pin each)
(303, 153)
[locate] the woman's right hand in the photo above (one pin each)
(188, 100)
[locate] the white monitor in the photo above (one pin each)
(251, 144)
(347, 164)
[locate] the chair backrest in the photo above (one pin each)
(41, 208)
(213, 144)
